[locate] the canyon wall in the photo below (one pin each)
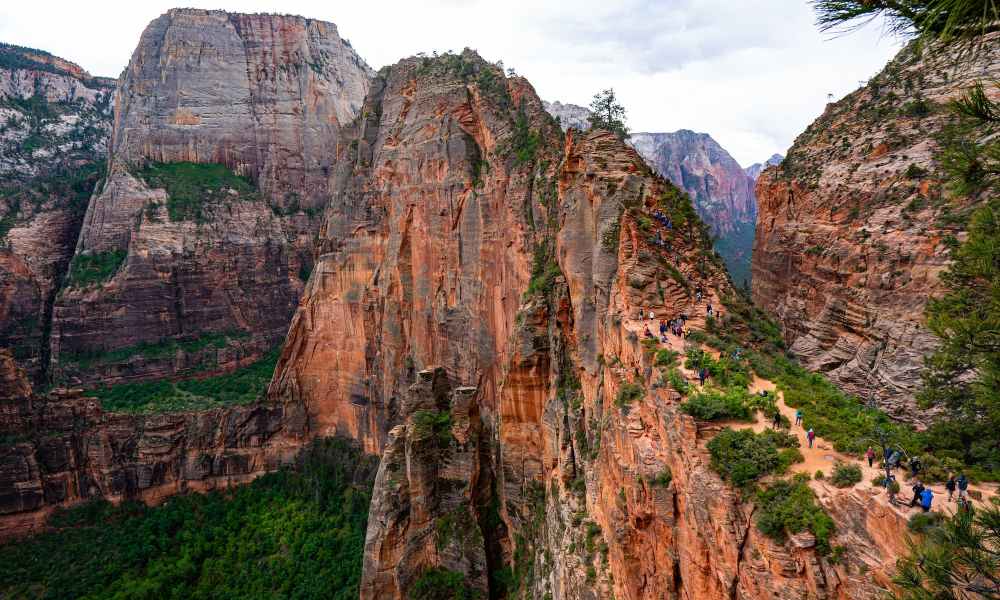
(54, 123)
(224, 135)
(472, 318)
(60, 449)
(854, 228)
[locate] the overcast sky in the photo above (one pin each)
(753, 78)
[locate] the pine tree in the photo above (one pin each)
(607, 114)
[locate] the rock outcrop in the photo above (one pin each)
(754, 170)
(61, 448)
(854, 226)
(471, 319)
(569, 116)
(54, 121)
(721, 190)
(225, 132)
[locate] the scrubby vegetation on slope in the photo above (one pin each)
(242, 386)
(192, 187)
(296, 533)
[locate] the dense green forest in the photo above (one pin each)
(296, 533)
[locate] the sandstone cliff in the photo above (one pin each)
(224, 135)
(473, 318)
(54, 121)
(853, 228)
(61, 448)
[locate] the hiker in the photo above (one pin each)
(708, 309)
(870, 455)
(798, 416)
(915, 466)
(777, 419)
(886, 454)
(918, 489)
(811, 435)
(663, 327)
(894, 459)
(697, 295)
(890, 488)
(702, 375)
(926, 499)
(950, 486)
(648, 333)
(652, 317)
(963, 487)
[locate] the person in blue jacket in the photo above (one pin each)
(926, 498)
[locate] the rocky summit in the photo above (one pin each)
(273, 323)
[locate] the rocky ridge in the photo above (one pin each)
(854, 227)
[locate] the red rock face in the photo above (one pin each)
(263, 95)
(852, 229)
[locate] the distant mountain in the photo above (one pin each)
(754, 170)
(571, 116)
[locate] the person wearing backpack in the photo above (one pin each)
(870, 455)
(950, 486)
(926, 499)
(811, 435)
(963, 487)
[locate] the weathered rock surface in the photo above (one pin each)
(853, 227)
(754, 170)
(263, 95)
(61, 448)
(569, 116)
(465, 321)
(54, 121)
(721, 190)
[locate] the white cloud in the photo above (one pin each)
(752, 74)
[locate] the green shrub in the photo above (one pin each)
(742, 456)
(788, 507)
(663, 478)
(298, 532)
(629, 393)
(712, 404)
(90, 269)
(923, 522)
(442, 584)
(433, 425)
(191, 187)
(845, 475)
(678, 382)
(665, 358)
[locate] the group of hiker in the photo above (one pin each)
(923, 496)
(674, 326)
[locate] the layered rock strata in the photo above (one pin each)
(174, 251)
(471, 319)
(60, 449)
(54, 122)
(854, 228)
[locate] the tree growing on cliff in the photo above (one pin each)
(960, 558)
(608, 114)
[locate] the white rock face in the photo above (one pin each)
(571, 116)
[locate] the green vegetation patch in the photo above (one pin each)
(788, 507)
(845, 475)
(433, 425)
(629, 393)
(192, 187)
(90, 269)
(295, 533)
(742, 456)
(153, 350)
(715, 404)
(442, 584)
(242, 386)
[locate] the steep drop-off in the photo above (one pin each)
(474, 317)
(54, 122)
(721, 190)
(854, 228)
(195, 249)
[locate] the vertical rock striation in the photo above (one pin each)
(175, 247)
(854, 226)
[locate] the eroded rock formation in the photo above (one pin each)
(60, 448)
(262, 95)
(54, 121)
(467, 321)
(854, 225)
